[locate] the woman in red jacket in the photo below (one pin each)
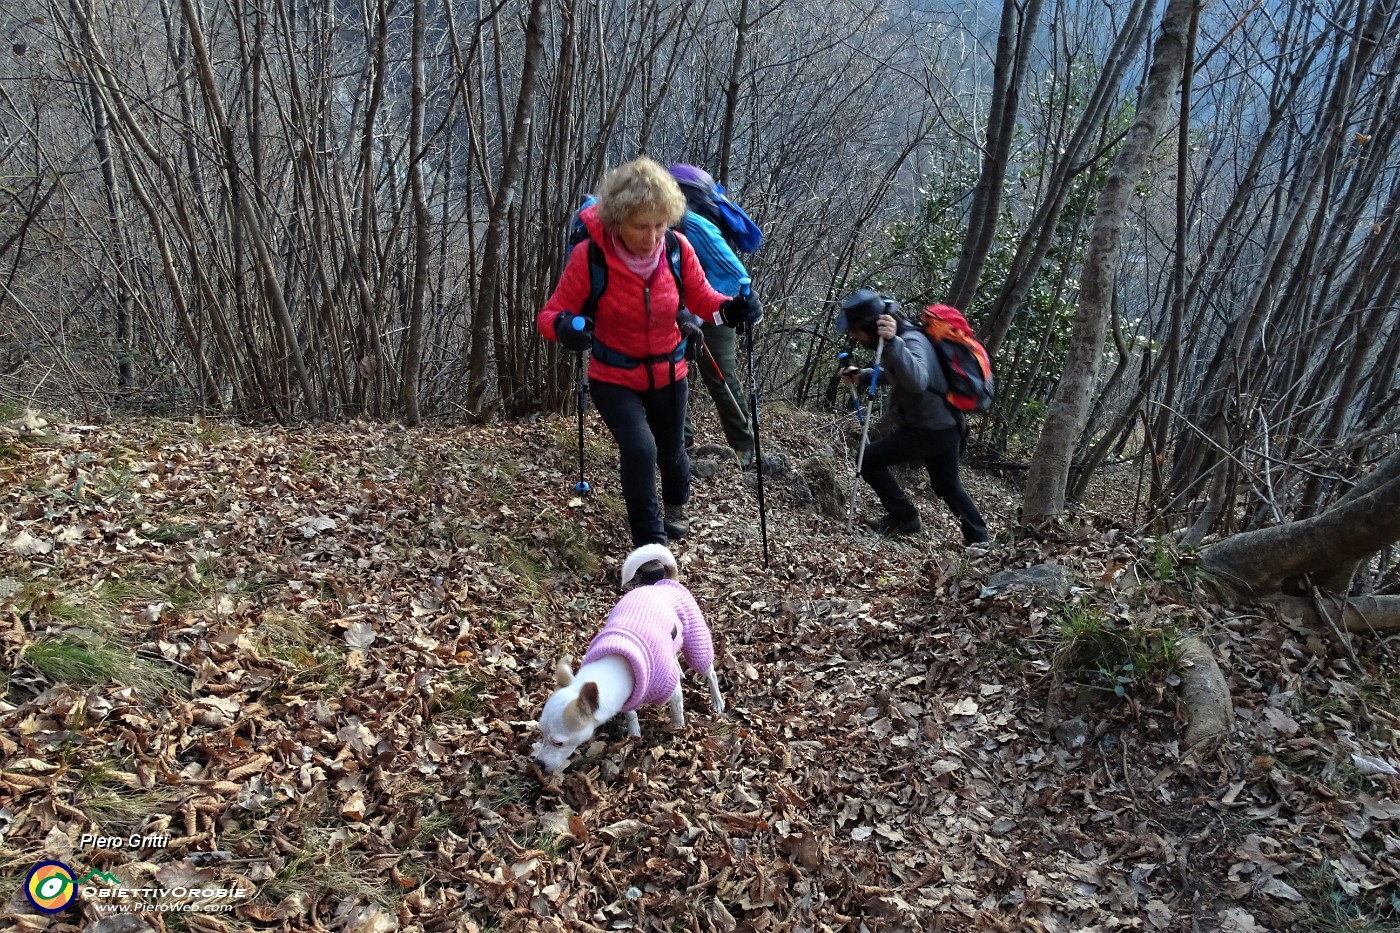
(637, 334)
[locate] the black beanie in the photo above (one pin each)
(861, 309)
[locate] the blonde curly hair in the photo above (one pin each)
(639, 185)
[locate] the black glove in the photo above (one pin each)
(690, 325)
(690, 328)
(860, 378)
(573, 331)
(741, 311)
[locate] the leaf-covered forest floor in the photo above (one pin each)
(309, 662)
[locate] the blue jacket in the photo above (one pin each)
(722, 268)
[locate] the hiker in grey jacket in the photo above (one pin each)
(926, 429)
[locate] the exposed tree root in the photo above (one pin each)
(1204, 691)
(1362, 614)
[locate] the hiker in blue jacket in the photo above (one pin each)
(925, 428)
(724, 270)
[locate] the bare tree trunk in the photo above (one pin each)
(731, 91)
(1014, 41)
(485, 310)
(1260, 562)
(122, 299)
(245, 210)
(1040, 234)
(413, 344)
(1167, 354)
(1049, 472)
(1263, 375)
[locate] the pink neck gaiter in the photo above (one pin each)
(644, 266)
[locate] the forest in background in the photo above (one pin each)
(308, 641)
(1175, 225)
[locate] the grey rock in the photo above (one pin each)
(1049, 578)
(1072, 734)
(704, 469)
(826, 487)
(711, 452)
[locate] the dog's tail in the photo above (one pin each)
(649, 563)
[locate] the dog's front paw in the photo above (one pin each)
(717, 705)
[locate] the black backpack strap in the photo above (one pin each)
(673, 259)
(598, 273)
(597, 279)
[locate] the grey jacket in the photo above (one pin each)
(910, 368)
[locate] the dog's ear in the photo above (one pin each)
(588, 698)
(563, 674)
(582, 710)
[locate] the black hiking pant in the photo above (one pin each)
(648, 426)
(939, 452)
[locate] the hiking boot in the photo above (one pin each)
(673, 520)
(745, 458)
(889, 525)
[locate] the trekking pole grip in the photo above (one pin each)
(879, 350)
(874, 381)
(744, 291)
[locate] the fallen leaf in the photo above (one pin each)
(1373, 766)
(967, 706)
(621, 829)
(27, 545)
(359, 634)
(1278, 888)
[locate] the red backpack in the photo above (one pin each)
(965, 362)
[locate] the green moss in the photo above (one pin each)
(1103, 654)
(171, 533)
(87, 660)
(67, 660)
(1329, 909)
(125, 809)
(459, 697)
(574, 549)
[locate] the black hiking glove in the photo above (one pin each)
(691, 333)
(573, 331)
(741, 311)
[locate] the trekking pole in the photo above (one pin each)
(753, 410)
(874, 381)
(855, 396)
(719, 373)
(582, 485)
(845, 453)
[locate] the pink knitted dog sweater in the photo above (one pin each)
(648, 626)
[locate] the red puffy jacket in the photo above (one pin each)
(634, 318)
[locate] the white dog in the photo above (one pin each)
(632, 661)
